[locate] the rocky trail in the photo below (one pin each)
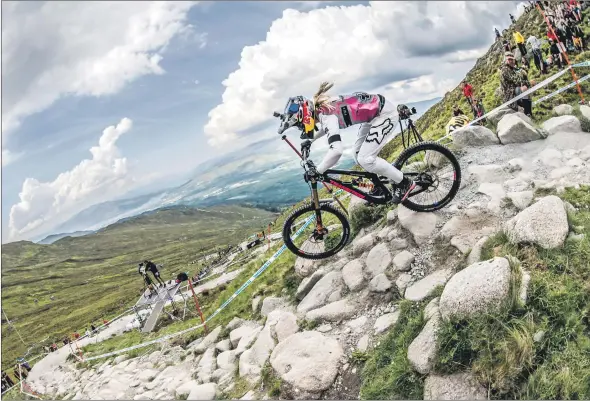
(344, 305)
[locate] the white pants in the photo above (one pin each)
(371, 138)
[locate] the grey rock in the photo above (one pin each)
(208, 341)
(223, 345)
(487, 173)
(544, 223)
(320, 293)
(563, 109)
(496, 116)
(424, 287)
(431, 309)
(308, 361)
(378, 260)
(458, 386)
(420, 225)
(332, 312)
(379, 283)
(403, 261)
(521, 199)
(513, 129)
(397, 244)
(392, 216)
(402, 282)
(475, 254)
(273, 303)
(308, 283)
(352, 274)
(480, 288)
(475, 135)
(562, 124)
(203, 392)
(245, 329)
(384, 322)
(362, 244)
(422, 351)
(363, 343)
(207, 366)
(282, 324)
(235, 323)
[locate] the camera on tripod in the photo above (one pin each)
(404, 111)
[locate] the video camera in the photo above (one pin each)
(405, 112)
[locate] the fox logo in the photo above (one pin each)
(378, 132)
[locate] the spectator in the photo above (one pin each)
(6, 381)
(551, 35)
(576, 9)
(512, 18)
(519, 39)
(93, 328)
(535, 45)
(457, 111)
(578, 35)
(88, 333)
(498, 36)
(555, 53)
(506, 45)
(513, 82)
(467, 91)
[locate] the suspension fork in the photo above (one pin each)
(316, 203)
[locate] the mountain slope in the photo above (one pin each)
(93, 276)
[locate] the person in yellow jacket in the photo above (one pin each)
(519, 39)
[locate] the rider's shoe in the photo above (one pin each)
(402, 190)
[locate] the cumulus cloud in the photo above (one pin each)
(44, 205)
(353, 46)
(53, 49)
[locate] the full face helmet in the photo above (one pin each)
(299, 112)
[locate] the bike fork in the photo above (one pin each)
(316, 202)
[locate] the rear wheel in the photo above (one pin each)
(315, 242)
(435, 170)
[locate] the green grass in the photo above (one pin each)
(95, 276)
(387, 374)
(500, 349)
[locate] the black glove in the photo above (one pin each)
(312, 172)
(305, 147)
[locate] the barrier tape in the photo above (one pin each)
(557, 92)
(222, 307)
(540, 85)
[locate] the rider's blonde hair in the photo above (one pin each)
(321, 99)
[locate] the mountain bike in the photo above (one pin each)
(429, 164)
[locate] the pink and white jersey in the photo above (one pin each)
(355, 109)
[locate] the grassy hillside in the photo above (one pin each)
(95, 276)
(485, 78)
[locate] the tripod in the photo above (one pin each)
(411, 131)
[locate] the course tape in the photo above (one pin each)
(222, 307)
(540, 85)
(557, 92)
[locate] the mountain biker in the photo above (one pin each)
(376, 119)
(151, 267)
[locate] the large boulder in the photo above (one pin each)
(422, 351)
(562, 124)
(245, 329)
(378, 260)
(203, 392)
(513, 129)
(420, 225)
(585, 110)
(521, 199)
(479, 288)
(544, 223)
(352, 273)
(252, 360)
(384, 322)
(424, 287)
(474, 135)
(273, 303)
(308, 361)
(282, 324)
(403, 261)
(207, 366)
(458, 386)
(379, 283)
(305, 267)
(563, 110)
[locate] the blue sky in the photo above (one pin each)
(72, 69)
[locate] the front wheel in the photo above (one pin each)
(316, 241)
(435, 170)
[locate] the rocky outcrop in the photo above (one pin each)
(420, 225)
(321, 293)
(378, 260)
(424, 287)
(562, 124)
(422, 351)
(563, 110)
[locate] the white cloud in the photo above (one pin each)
(358, 47)
(197, 82)
(44, 205)
(54, 49)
